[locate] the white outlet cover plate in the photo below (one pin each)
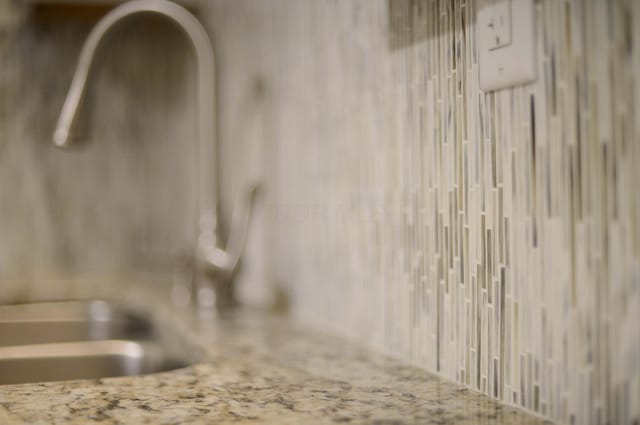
(506, 43)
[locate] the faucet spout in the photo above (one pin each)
(207, 251)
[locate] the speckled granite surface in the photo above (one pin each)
(256, 368)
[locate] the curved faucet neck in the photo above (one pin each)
(207, 144)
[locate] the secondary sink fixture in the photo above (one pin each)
(213, 266)
(56, 341)
(69, 321)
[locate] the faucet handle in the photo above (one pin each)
(225, 261)
(242, 213)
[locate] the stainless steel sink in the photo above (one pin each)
(67, 321)
(82, 339)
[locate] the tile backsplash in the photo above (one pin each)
(490, 237)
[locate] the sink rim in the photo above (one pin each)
(105, 347)
(73, 320)
(80, 310)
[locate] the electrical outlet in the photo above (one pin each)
(506, 43)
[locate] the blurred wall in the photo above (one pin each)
(492, 238)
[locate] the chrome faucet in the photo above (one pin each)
(213, 266)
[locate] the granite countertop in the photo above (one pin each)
(257, 367)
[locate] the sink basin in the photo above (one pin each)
(81, 339)
(68, 321)
(80, 360)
